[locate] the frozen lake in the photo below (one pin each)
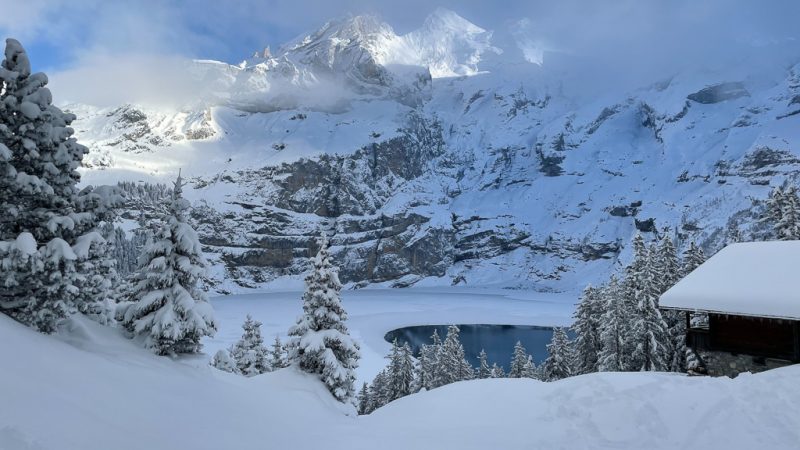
(375, 312)
(496, 340)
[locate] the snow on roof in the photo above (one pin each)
(749, 279)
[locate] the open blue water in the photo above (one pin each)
(497, 340)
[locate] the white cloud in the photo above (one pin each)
(614, 44)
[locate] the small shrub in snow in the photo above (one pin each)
(277, 355)
(249, 353)
(222, 360)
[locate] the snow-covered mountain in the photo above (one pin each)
(442, 156)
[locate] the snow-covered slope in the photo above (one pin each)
(89, 388)
(436, 157)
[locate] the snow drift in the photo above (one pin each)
(89, 388)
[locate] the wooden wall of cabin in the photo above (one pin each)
(772, 338)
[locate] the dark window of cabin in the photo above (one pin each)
(752, 336)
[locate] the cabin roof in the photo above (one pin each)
(760, 279)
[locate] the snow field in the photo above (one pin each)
(88, 388)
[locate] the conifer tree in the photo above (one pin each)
(559, 361)
(613, 329)
(429, 373)
(363, 400)
(484, 371)
(400, 372)
(649, 330)
(378, 392)
(249, 353)
(320, 342)
(222, 361)
(587, 330)
(519, 360)
(277, 354)
(39, 198)
(530, 370)
(168, 311)
(773, 212)
(787, 227)
(692, 258)
(667, 268)
(452, 361)
(497, 371)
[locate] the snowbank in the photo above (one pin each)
(88, 388)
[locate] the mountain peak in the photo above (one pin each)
(363, 28)
(443, 19)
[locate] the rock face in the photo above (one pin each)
(420, 172)
(719, 93)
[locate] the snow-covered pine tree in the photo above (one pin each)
(97, 278)
(320, 342)
(429, 373)
(587, 330)
(277, 354)
(497, 371)
(452, 362)
(773, 211)
(249, 353)
(168, 311)
(628, 290)
(400, 373)
(560, 359)
(39, 159)
(649, 331)
(530, 370)
(667, 267)
(787, 228)
(363, 400)
(692, 258)
(222, 361)
(378, 392)
(518, 361)
(613, 329)
(484, 371)
(668, 272)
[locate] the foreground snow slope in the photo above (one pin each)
(89, 388)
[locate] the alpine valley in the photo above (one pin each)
(450, 155)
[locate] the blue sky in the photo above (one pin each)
(90, 40)
(58, 33)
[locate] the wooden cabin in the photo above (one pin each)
(742, 307)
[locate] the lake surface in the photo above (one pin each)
(497, 340)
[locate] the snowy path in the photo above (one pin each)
(373, 312)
